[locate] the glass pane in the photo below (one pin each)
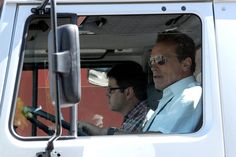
(104, 41)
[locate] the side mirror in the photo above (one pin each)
(66, 65)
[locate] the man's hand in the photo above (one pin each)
(91, 129)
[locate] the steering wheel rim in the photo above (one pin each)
(30, 113)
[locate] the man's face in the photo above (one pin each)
(169, 69)
(117, 99)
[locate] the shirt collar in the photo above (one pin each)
(128, 115)
(178, 86)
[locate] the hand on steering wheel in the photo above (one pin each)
(30, 113)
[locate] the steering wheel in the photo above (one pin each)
(30, 113)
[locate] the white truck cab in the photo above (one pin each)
(102, 33)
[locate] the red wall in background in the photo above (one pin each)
(93, 104)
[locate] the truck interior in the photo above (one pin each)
(105, 40)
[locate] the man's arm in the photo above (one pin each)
(91, 129)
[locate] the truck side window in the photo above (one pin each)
(105, 40)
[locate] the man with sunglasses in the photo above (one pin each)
(126, 92)
(172, 62)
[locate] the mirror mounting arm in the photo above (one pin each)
(58, 128)
(41, 10)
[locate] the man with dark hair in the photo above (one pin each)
(130, 74)
(126, 92)
(172, 62)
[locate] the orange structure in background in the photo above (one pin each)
(93, 106)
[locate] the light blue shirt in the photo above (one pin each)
(179, 109)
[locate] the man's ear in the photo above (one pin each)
(186, 64)
(129, 92)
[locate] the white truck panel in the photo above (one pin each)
(217, 137)
(226, 48)
(6, 29)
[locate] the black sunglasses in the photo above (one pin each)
(159, 59)
(110, 89)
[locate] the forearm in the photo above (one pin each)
(91, 129)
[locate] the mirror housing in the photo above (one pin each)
(66, 65)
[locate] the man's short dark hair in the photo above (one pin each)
(130, 74)
(185, 46)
